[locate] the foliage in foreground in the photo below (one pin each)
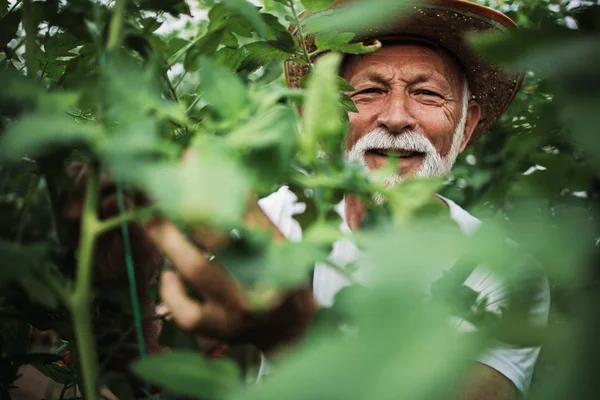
(85, 82)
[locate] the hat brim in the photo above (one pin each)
(445, 23)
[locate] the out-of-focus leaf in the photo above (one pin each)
(321, 118)
(211, 190)
(39, 134)
(342, 42)
(206, 46)
(189, 374)
(316, 5)
(18, 259)
(357, 17)
(250, 12)
(173, 7)
(222, 90)
(8, 27)
(3, 8)
(230, 58)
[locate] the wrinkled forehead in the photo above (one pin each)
(399, 51)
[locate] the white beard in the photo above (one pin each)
(433, 166)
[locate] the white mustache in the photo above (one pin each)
(382, 139)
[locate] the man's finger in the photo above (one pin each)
(211, 281)
(208, 319)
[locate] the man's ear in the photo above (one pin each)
(473, 117)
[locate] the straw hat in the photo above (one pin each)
(444, 22)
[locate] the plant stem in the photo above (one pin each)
(180, 80)
(302, 38)
(30, 36)
(115, 34)
(138, 214)
(82, 297)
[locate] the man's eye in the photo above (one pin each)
(370, 91)
(426, 92)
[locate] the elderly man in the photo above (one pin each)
(421, 99)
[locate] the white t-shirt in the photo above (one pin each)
(515, 363)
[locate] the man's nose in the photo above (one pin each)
(395, 115)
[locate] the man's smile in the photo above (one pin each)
(408, 161)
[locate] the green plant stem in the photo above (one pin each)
(115, 222)
(302, 38)
(180, 80)
(30, 36)
(115, 34)
(82, 295)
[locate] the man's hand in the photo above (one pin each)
(225, 314)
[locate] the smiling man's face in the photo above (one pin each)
(411, 106)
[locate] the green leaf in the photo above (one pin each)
(322, 110)
(316, 5)
(222, 90)
(37, 135)
(359, 17)
(336, 41)
(212, 189)
(56, 372)
(18, 259)
(206, 46)
(266, 143)
(230, 58)
(348, 103)
(3, 8)
(8, 27)
(173, 7)
(189, 374)
(278, 34)
(260, 54)
(250, 12)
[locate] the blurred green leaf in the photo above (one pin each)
(358, 17)
(37, 135)
(321, 115)
(189, 374)
(173, 7)
(8, 27)
(19, 259)
(336, 41)
(316, 5)
(223, 91)
(212, 189)
(250, 12)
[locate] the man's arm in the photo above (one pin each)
(485, 383)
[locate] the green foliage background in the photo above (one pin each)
(93, 81)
